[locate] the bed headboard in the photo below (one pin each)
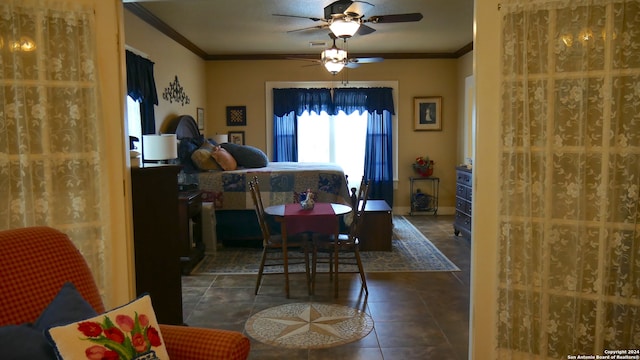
(184, 126)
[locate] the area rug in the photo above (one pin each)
(411, 252)
(309, 325)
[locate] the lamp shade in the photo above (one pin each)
(221, 138)
(159, 147)
(344, 28)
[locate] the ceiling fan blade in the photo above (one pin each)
(366, 60)
(317, 61)
(317, 27)
(356, 62)
(396, 18)
(358, 8)
(364, 30)
(300, 17)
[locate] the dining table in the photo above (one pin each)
(323, 218)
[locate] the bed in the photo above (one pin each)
(280, 183)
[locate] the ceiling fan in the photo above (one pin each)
(335, 59)
(345, 18)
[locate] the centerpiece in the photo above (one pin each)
(423, 166)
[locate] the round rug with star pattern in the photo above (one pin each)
(309, 325)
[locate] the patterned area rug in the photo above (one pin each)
(411, 252)
(309, 325)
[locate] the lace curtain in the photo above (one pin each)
(50, 126)
(569, 248)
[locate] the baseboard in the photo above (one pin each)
(442, 210)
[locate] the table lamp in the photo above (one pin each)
(159, 147)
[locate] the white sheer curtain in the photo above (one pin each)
(570, 167)
(50, 127)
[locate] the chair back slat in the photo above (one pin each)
(359, 210)
(257, 202)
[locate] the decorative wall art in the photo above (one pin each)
(236, 137)
(175, 93)
(427, 113)
(236, 115)
(200, 118)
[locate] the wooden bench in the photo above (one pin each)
(377, 227)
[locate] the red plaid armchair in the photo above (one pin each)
(34, 264)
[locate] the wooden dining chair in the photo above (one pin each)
(278, 249)
(345, 250)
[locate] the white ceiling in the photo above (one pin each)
(247, 27)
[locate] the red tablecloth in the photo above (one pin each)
(320, 219)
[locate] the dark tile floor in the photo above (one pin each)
(417, 315)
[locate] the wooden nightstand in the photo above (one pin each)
(190, 225)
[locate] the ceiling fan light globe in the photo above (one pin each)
(334, 59)
(334, 67)
(333, 54)
(344, 28)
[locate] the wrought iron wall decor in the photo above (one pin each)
(175, 92)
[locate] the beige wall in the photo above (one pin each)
(214, 85)
(170, 59)
(465, 70)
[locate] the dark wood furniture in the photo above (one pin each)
(156, 233)
(190, 223)
(464, 190)
(377, 227)
(424, 200)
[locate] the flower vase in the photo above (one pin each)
(149, 355)
(425, 172)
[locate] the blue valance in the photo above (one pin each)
(141, 85)
(373, 100)
(301, 100)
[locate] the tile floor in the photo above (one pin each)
(420, 315)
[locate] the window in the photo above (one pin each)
(270, 85)
(338, 139)
(134, 123)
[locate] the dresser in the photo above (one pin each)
(155, 238)
(464, 192)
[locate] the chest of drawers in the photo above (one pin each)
(464, 192)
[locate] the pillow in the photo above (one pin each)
(202, 158)
(28, 341)
(224, 158)
(124, 332)
(68, 306)
(186, 147)
(247, 156)
(24, 341)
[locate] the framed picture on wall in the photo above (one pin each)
(200, 118)
(236, 115)
(427, 113)
(236, 137)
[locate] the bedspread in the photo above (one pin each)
(280, 183)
